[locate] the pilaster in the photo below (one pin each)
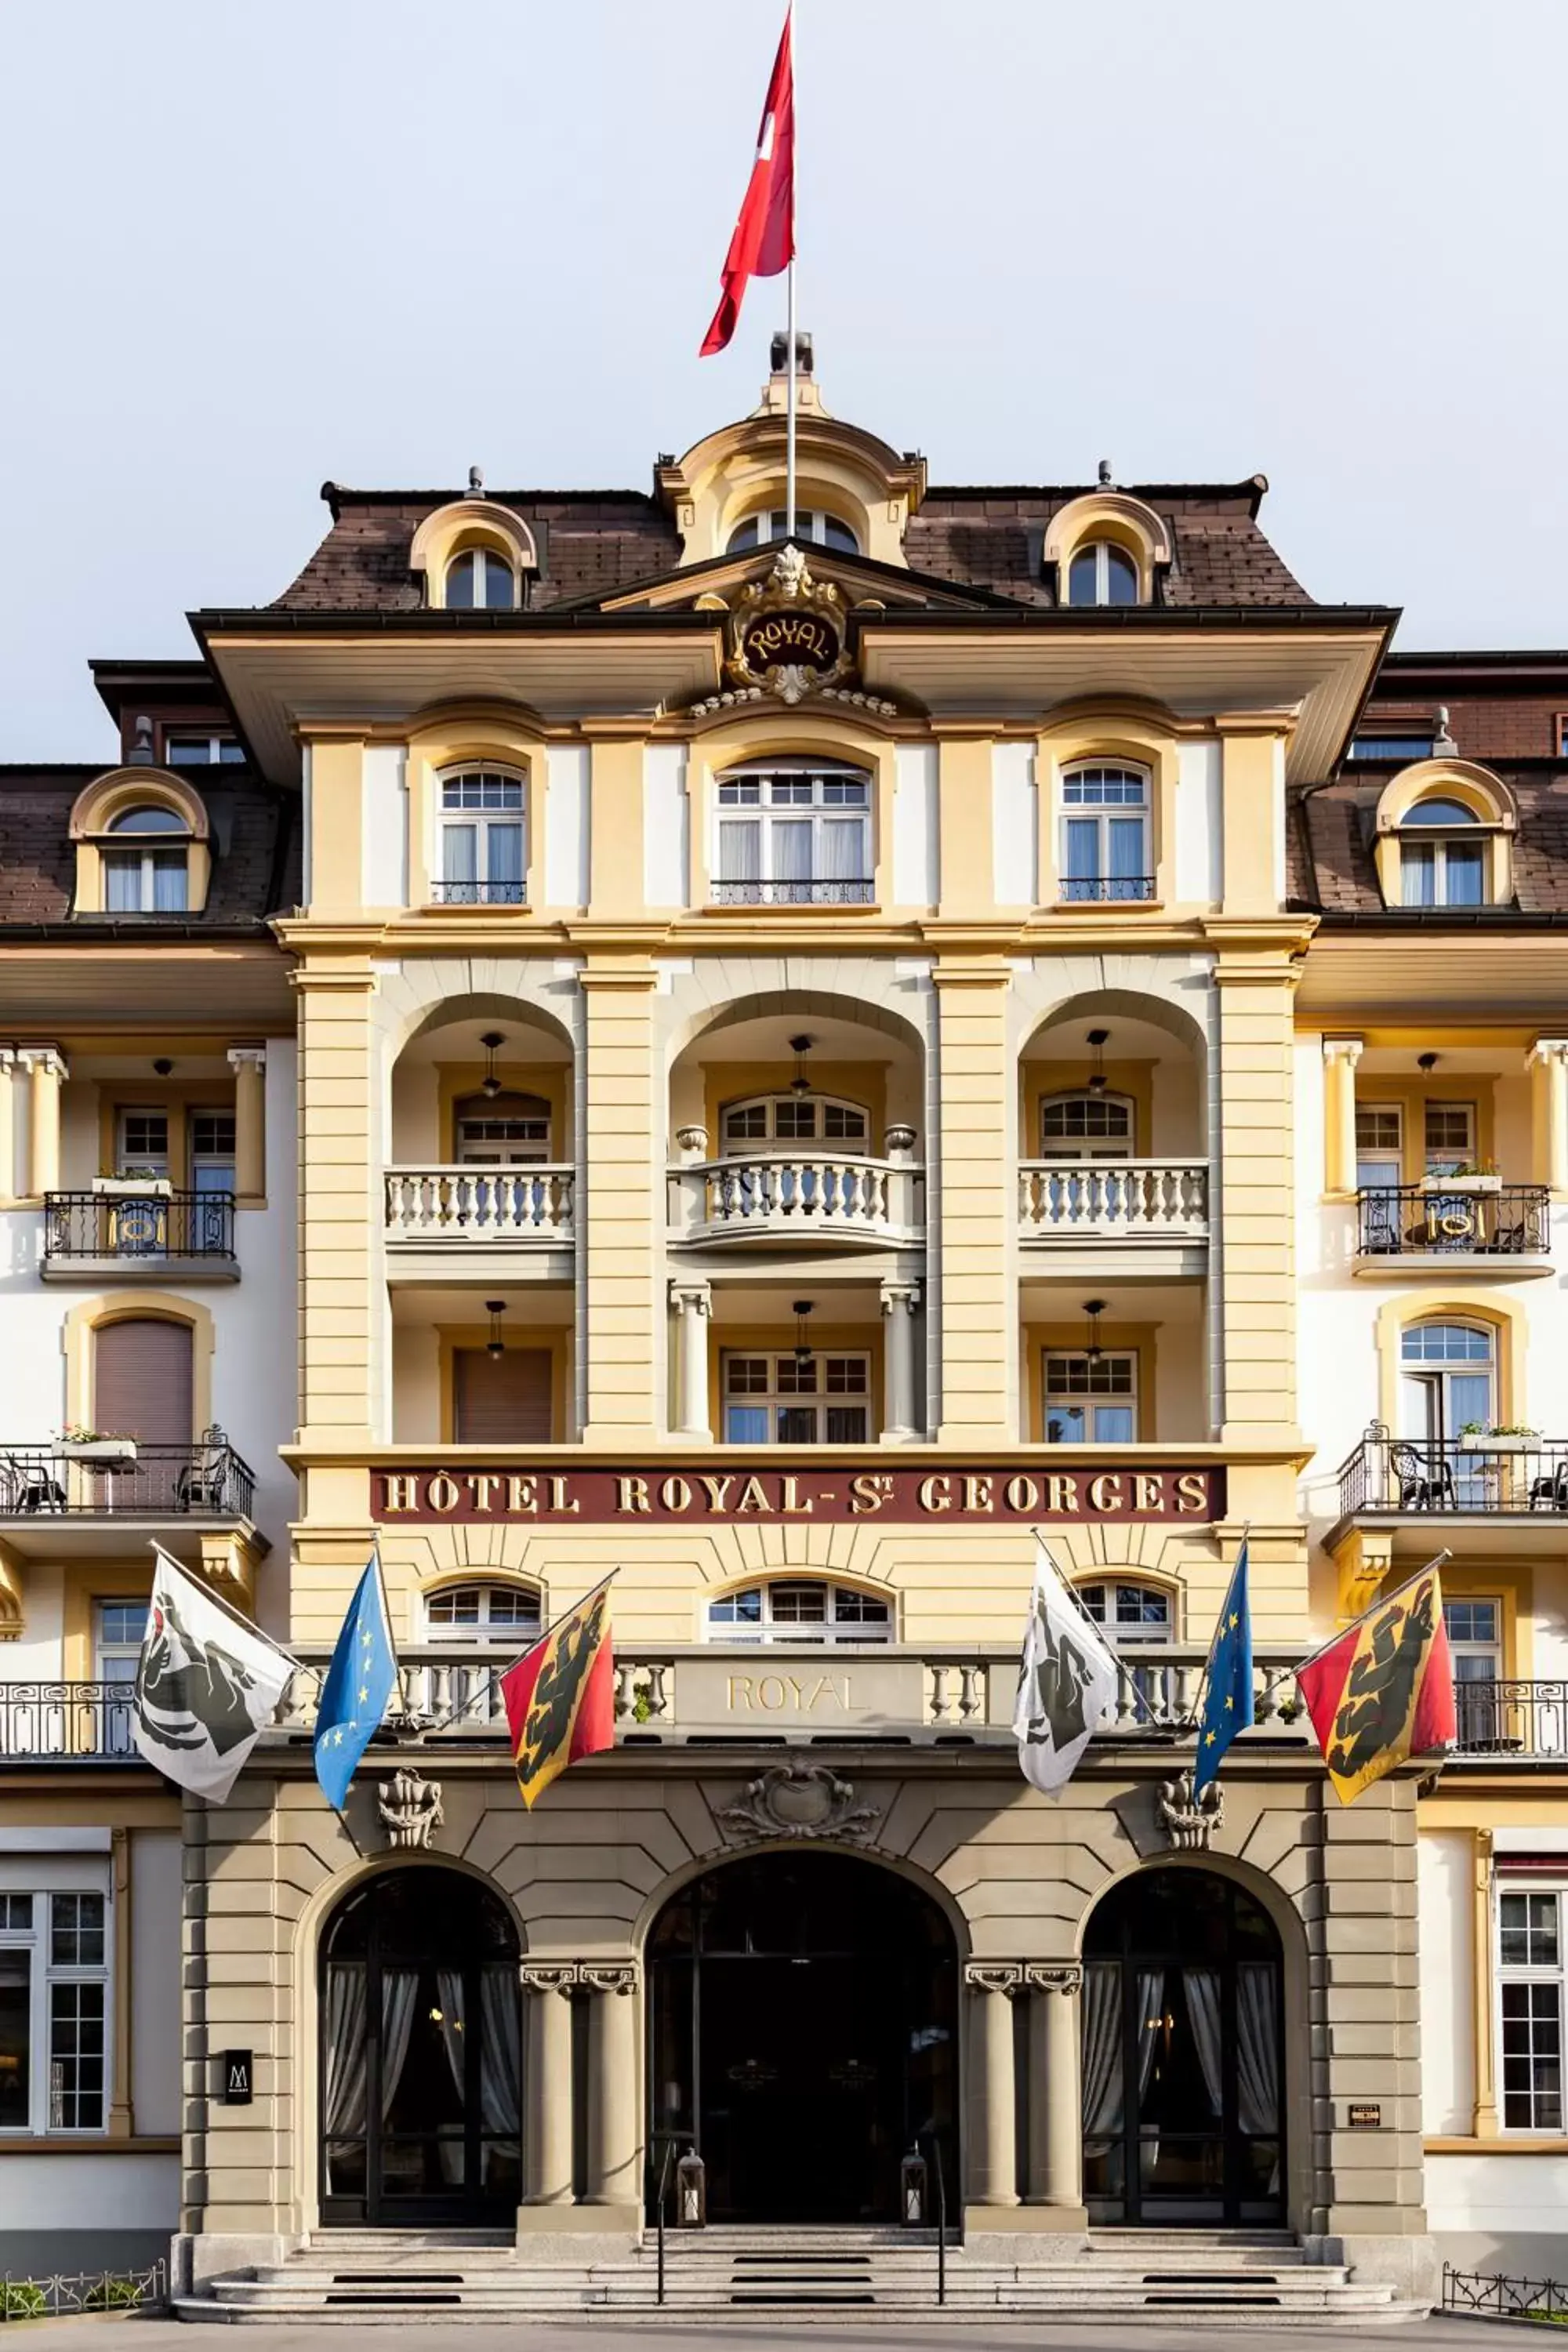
(979, 1312)
(1257, 1192)
(1341, 1055)
(621, 1229)
(341, 1317)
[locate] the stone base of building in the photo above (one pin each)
(578, 2233)
(1034, 2233)
(1412, 2266)
(196, 2256)
(47, 2253)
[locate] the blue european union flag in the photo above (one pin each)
(359, 1684)
(1228, 1692)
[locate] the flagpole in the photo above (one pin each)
(454, 1714)
(1414, 1578)
(789, 423)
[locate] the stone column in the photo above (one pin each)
(900, 1301)
(547, 2082)
(1341, 1055)
(249, 1064)
(992, 2089)
(615, 2158)
(47, 1069)
(1484, 2118)
(8, 1124)
(1549, 1112)
(1056, 2122)
(693, 1302)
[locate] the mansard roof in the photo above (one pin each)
(253, 835)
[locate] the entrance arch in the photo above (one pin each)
(420, 2073)
(803, 2015)
(1183, 2078)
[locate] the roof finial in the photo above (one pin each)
(1442, 740)
(141, 755)
(476, 482)
(1105, 473)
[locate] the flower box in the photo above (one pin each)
(1461, 1183)
(132, 1188)
(97, 1449)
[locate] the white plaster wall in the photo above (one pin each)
(667, 825)
(155, 1890)
(1015, 824)
(1443, 1863)
(1200, 837)
(80, 2193)
(383, 853)
(1506, 2196)
(566, 825)
(36, 1655)
(917, 880)
(1276, 818)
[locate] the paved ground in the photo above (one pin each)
(817, 2336)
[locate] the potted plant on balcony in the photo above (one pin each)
(1502, 1436)
(134, 1184)
(1475, 1176)
(79, 1444)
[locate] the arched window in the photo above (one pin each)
(480, 580)
(1130, 1612)
(150, 874)
(1105, 846)
(1103, 574)
(504, 1131)
(506, 1614)
(794, 831)
(803, 1610)
(1087, 1127)
(810, 523)
(1447, 1379)
(483, 860)
(789, 1119)
(1448, 866)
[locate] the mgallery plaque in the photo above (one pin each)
(787, 1490)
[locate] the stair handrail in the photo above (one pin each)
(940, 2215)
(672, 2141)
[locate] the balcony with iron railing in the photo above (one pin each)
(1476, 1225)
(491, 1210)
(139, 1233)
(122, 1479)
(1126, 1203)
(1514, 1474)
(1497, 1720)
(1107, 889)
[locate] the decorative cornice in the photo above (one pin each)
(994, 1976)
(1052, 1975)
(548, 1976)
(611, 1976)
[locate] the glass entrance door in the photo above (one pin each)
(421, 2058)
(1182, 2081)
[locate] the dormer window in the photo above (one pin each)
(149, 875)
(480, 580)
(811, 523)
(1103, 574)
(1443, 868)
(202, 746)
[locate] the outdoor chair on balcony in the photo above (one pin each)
(1550, 1491)
(29, 1486)
(1423, 1485)
(203, 1482)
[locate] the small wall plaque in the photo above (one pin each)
(1365, 2115)
(238, 2077)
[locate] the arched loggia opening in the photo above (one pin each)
(420, 2073)
(803, 2035)
(1183, 2082)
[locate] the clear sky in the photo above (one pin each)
(244, 248)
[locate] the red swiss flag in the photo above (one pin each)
(763, 242)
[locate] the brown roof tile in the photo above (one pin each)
(255, 845)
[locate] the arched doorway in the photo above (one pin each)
(1183, 2103)
(421, 2086)
(803, 2031)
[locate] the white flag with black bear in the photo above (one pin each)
(1066, 1679)
(207, 1686)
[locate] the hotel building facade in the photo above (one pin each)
(587, 1038)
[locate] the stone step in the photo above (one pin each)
(1210, 2316)
(1062, 2290)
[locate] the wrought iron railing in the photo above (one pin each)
(58, 2293)
(1121, 1200)
(51, 1718)
(1106, 888)
(1502, 1473)
(137, 1226)
(1512, 1718)
(848, 891)
(123, 1477)
(454, 1205)
(1416, 1221)
(808, 1195)
(479, 894)
(1490, 2295)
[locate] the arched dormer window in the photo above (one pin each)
(481, 579)
(141, 838)
(1106, 547)
(1443, 836)
(803, 1610)
(473, 555)
(813, 524)
(1103, 574)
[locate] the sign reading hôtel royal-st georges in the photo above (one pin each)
(995, 1494)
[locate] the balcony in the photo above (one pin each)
(1110, 1216)
(486, 1213)
(125, 1234)
(850, 890)
(1459, 1491)
(1498, 1720)
(799, 1200)
(1107, 889)
(1474, 1225)
(86, 1722)
(111, 1494)
(478, 893)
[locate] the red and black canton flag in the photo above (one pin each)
(1384, 1690)
(560, 1698)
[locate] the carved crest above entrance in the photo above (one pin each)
(798, 1800)
(790, 637)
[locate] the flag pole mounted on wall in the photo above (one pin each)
(764, 240)
(789, 166)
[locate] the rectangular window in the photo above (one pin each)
(143, 1143)
(804, 838)
(1450, 1138)
(1442, 873)
(787, 1400)
(121, 1628)
(200, 748)
(212, 1151)
(1091, 1399)
(1530, 1955)
(145, 881)
(1391, 747)
(1379, 1146)
(54, 2011)
(481, 827)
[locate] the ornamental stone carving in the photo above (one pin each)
(550, 1976)
(1190, 1821)
(410, 1809)
(790, 637)
(1048, 1976)
(800, 1800)
(993, 1975)
(609, 1975)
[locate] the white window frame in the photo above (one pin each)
(745, 796)
(1089, 1146)
(481, 558)
(222, 749)
(45, 1878)
(1515, 1972)
(1130, 1632)
(201, 1159)
(124, 1158)
(748, 1147)
(833, 1633)
(482, 1633)
(478, 820)
(810, 525)
(1122, 1399)
(1102, 549)
(1413, 838)
(108, 1654)
(526, 1151)
(1099, 888)
(138, 852)
(1443, 1163)
(1382, 1157)
(777, 1396)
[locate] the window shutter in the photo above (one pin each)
(501, 1400)
(142, 1380)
